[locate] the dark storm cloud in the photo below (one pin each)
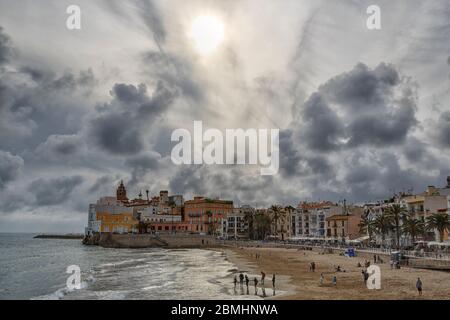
(142, 164)
(380, 177)
(5, 47)
(176, 71)
(148, 160)
(35, 104)
(322, 126)
(54, 191)
(64, 145)
(188, 179)
(10, 166)
(289, 156)
(100, 183)
(121, 125)
(296, 161)
(358, 108)
(443, 129)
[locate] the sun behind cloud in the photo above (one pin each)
(207, 33)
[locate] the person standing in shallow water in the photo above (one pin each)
(255, 281)
(247, 280)
(235, 283)
(241, 281)
(273, 283)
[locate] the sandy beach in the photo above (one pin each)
(295, 281)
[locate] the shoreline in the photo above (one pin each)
(291, 267)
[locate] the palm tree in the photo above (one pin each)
(249, 219)
(439, 222)
(396, 213)
(367, 226)
(211, 223)
(276, 210)
(382, 225)
(262, 225)
(413, 227)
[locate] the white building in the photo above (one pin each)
(93, 225)
(308, 220)
(236, 225)
(151, 214)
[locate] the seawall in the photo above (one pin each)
(110, 240)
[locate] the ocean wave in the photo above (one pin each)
(62, 292)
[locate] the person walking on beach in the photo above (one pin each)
(263, 276)
(374, 258)
(321, 279)
(241, 281)
(255, 281)
(419, 286)
(247, 280)
(313, 266)
(235, 283)
(366, 276)
(334, 281)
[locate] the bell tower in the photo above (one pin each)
(121, 193)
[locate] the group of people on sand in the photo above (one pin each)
(244, 279)
(333, 280)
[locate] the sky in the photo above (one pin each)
(362, 113)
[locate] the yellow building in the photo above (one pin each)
(114, 218)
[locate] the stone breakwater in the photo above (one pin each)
(171, 241)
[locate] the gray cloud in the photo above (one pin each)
(360, 107)
(60, 145)
(121, 125)
(10, 166)
(54, 191)
(443, 129)
(142, 164)
(5, 48)
(354, 132)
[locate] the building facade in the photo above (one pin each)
(208, 216)
(342, 227)
(309, 219)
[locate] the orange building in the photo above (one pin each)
(344, 226)
(204, 215)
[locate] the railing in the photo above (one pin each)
(438, 256)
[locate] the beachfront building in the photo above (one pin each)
(344, 227)
(115, 218)
(237, 223)
(308, 220)
(207, 216)
(162, 222)
(94, 224)
(421, 206)
(119, 214)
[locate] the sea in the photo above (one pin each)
(37, 269)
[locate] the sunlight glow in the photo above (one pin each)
(207, 33)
